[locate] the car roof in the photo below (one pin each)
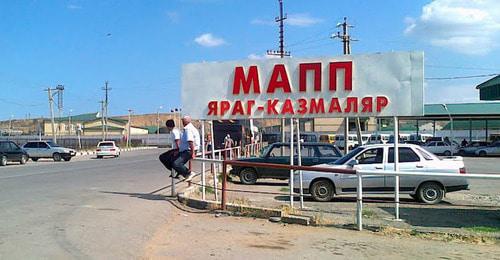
(303, 143)
(388, 145)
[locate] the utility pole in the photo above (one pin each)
(51, 108)
(106, 102)
(60, 89)
(69, 121)
(128, 128)
(158, 125)
(281, 52)
(346, 41)
(102, 120)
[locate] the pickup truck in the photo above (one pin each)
(427, 189)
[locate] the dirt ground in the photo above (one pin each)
(194, 234)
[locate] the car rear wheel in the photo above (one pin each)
(430, 193)
(447, 153)
(23, 160)
(461, 152)
(482, 153)
(248, 176)
(57, 157)
(99, 157)
(3, 160)
(34, 159)
(67, 159)
(322, 190)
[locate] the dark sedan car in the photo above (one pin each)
(279, 153)
(10, 151)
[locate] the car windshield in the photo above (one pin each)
(347, 157)
(52, 144)
(265, 150)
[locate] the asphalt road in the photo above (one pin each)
(86, 208)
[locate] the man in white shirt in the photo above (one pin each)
(189, 144)
(169, 157)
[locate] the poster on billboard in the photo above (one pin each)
(382, 84)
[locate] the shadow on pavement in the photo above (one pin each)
(146, 196)
(448, 217)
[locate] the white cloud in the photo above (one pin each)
(439, 92)
(299, 20)
(73, 7)
(302, 20)
(465, 26)
(254, 56)
(208, 40)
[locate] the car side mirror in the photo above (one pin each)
(352, 163)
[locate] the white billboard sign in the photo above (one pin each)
(387, 84)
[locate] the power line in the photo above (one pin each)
(459, 67)
(464, 77)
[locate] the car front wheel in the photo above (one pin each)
(23, 160)
(3, 160)
(482, 153)
(34, 159)
(67, 159)
(248, 176)
(57, 157)
(430, 193)
(322, 190)
(447, 153)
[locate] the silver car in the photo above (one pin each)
(380, 157)
(47, 149)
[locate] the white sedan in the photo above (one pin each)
(412, 158)
(492, 149)
(107, 148)
(440, 147)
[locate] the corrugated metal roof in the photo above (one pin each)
(481, 108)
(491, 82)
(78, 118)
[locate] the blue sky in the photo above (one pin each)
(139, 46)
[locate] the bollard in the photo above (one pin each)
(359, 203)
(224, 183)
(172, 187)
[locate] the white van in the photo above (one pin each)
(351, 142)
(379, 138)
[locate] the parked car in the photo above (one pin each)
(440, 147)
(107, 148)
(472, 147)
(11, 152)
(492, 149)
(327, 138)
(431, 190)
(48, 149)
(279, 153)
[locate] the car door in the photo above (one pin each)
(43, 150)
(326, 154)
(431, 147)
(409, 161)
(15, 151)
(30, 148)
(308, 155)
(279, 154)
(369, 159)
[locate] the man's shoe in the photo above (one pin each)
(189, 177)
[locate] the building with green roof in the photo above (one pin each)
(490, 89)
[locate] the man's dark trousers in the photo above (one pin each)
(178, 164)
(168, 158)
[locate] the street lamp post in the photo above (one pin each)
(158, 125)
(10, 125)
(451, 126)
(69, 121)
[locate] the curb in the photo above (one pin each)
(242, 210)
